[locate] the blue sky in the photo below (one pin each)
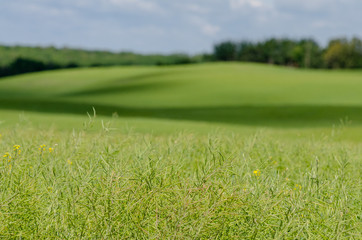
(166, 26)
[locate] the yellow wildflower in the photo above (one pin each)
(42, 148)
(70, 162)
(51, 149)
(257, 173)
(297, 186)
(17, 150)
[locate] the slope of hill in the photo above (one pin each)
(226, 93)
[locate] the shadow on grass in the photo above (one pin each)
(126, 88)
(127, 84)
(275, 116)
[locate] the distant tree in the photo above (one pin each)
(342, 53)
(335, 55)
(71, 65)
(356, 52)
(225, 51)
(273, 51)
(250, 52)
(307, 54)
(206, 57)
(180, 59)
(279, 51)
(23, 65)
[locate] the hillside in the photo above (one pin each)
(237, 94)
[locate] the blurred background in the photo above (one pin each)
(189, 26)
(186, 28)
(263, 63)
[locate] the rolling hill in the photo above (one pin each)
(221, 94)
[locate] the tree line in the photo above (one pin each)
(22, 65)
(21, 59)
(305, 53)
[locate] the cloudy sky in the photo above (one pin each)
(168, 26)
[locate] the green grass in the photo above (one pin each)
(185, 186)
(239, 94)
(172, 152)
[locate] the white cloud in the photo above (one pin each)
(197, 8)
(38, 9)
(209, 29)
(320, 24)
(306, 5)
(204, 26)
(237, 4)
(148, 6)
(148, 31)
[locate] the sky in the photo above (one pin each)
(173, 26)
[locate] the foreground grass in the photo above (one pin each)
(104, 185)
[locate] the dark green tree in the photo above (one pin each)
(225, 51)
(307, 54)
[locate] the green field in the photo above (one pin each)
(223, 94)
(222, 150)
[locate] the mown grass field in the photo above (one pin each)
(203, 151)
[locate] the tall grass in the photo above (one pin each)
(107, 185)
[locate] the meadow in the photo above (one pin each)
(207, 151)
